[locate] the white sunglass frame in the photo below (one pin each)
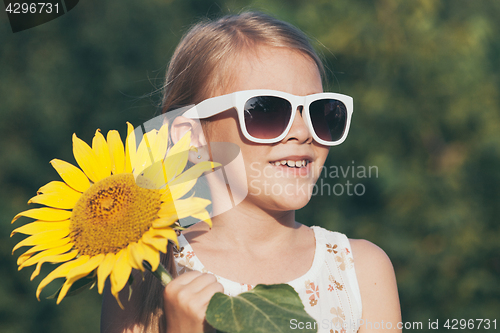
(215, 105)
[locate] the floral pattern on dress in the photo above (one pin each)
(336, 331)
(185, 264)
(338, 304)
(344, 260)
(313, 291)
(179, 252)
(334, 284)
(339, 317)
(331, 248)
(248, 287)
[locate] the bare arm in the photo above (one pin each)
(377, 283)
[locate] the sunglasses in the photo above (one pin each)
(266, 116)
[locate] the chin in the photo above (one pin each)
(281, 201)
(293, 203)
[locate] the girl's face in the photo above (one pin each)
(271, 187)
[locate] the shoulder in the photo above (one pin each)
(377, 283)
(371, 262)
(368, 254)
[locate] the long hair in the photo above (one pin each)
(201, 67)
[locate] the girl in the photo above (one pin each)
(263, 64)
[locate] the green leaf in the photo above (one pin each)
(266, 308)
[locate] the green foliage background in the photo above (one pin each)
(424, 75)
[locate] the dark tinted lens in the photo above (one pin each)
(329, 118)
(266, 117)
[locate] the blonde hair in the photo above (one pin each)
(200, 67)
(202, 63)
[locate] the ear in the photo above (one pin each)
(180, 126)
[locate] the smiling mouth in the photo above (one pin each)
(291, 163)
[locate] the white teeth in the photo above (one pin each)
(291, 164)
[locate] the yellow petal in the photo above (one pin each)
(203, 216)
(86, 159)
(45, 214)
(130, 148)
(104, 270)
(136, 255)
(152, 143)
(187, 207)
(194, 172)
(53, 259)
(152, 256)
(145, 156)
(178, 191)
(166, 195)
(162, 143)
(101, 150)
(50, 252)
(57, 186)
(22, 258)
(79, 272)
(183, 183)
(59, 272)
(116, 152)
(177, 156)
(159, 243)
(120, 273)
(168, 211)
(164, 222)
(73, 176)
(161, 233)
(57, 195)
(42, 247)
(42, 238)
(156, 174)
(157, 141)
(40, 226)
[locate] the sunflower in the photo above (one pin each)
(114, 213)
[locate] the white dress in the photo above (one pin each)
(329, 290)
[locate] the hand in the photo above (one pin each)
(186, 300)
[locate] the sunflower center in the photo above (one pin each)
(113, 213)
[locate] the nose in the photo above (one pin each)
(299, 131)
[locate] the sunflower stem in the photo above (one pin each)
(161, 273)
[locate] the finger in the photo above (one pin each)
(200, 282)
(180, 282)
(205, 294)
(187, 278)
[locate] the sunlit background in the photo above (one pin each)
(425, 80)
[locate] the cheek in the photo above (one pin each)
(322, 154)
(223, 127)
